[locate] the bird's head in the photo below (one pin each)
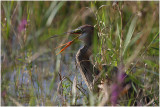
(85, 34)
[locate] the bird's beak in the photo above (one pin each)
(76, 31)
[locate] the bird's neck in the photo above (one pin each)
(85, 52)
(87, 70)
(87, 38)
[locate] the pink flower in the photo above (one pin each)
(22, 25)
(114, 94)
(117, 87)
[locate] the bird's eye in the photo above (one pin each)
(82, 30)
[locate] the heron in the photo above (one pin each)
(91, 74)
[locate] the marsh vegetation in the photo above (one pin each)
(32, 73)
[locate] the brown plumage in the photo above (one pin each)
(87, 69)
(94, 78)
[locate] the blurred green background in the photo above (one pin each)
(32, 73)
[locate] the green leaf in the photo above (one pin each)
(52, 15)
(130, 34)
(154, 39)
(134, 88)
(155, 48)
(135, 38)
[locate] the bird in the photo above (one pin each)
(96, 78)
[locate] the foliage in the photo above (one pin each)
(32, 73)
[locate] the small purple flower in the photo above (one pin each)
(121, 76)
(22, 25)
(116, 90)
(114, 94)
(117, 87)
(121, 73)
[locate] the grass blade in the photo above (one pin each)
(52, 15)
(130, 34)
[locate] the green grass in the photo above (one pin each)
(32, 73)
